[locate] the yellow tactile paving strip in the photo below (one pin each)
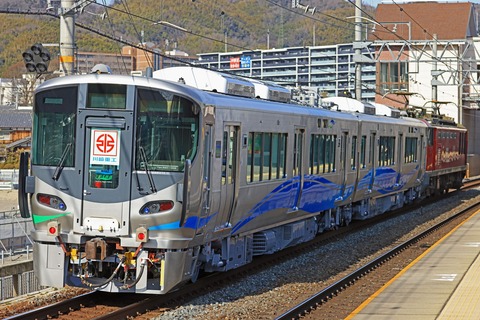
(465, 301)
(443, 283)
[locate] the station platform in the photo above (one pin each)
(443, 283)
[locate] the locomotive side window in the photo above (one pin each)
(462, 147)
(266, 156)
(322, 153)
(430, 136)
(54, 127)
(411, 149)
(167, 131)
(106, 96)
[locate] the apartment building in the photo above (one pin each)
(326, 70)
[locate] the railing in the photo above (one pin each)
(14, 234)
(27, 283)
(8, 179)
(14, 256)
(16, 247)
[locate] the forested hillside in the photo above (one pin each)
(245, 24)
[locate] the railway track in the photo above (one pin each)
(310, 306)
(135, 305)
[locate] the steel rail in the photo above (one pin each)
(328, 293)
(62, 307)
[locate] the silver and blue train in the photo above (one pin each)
(138, 184)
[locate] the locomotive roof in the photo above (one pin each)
(454, 127)
(222, 100)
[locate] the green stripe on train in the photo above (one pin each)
(38, 219)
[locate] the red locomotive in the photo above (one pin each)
(446, 154)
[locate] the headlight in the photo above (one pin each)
(51, 201)
(156, 206)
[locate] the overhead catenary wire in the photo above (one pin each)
(127, 10)
(118, 46)
(181, 60)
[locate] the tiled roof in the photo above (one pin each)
(15, 119)
(449, 21)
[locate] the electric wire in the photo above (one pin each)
(117, 43)
(180, 60)
(127, 10)
(409, 41)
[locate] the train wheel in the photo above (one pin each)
(196, 272)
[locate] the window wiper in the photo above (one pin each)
(149, 174)
(60, 165)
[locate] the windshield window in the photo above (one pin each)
(167, 130)
(54, 127)
(106, 96)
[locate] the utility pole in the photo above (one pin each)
(358, 50)
(67, 37)
(434, 67)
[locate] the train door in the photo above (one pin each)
(228, 188)
(207, 169)
(106, 174)
(298, 170)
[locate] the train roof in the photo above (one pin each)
(220, 100)
(125, 80)
(444, 126)
(210, 80)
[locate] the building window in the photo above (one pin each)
(393, 77)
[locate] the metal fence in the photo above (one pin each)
(14, 232)
(27, 283)
(15, 246)
(8, 179)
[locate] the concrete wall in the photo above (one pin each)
(473, 165)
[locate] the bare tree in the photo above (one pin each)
(23, 89)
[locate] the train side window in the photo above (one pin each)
(330, 153)
(386, 151)
(257, 157)
(353, 158)
(371, 155)
(266, 156)
(322, 157)
(411, 149)
(250, 157)
(314, 164)
(363, 150)
(224, 157)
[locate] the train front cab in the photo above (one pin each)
(107, 201)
